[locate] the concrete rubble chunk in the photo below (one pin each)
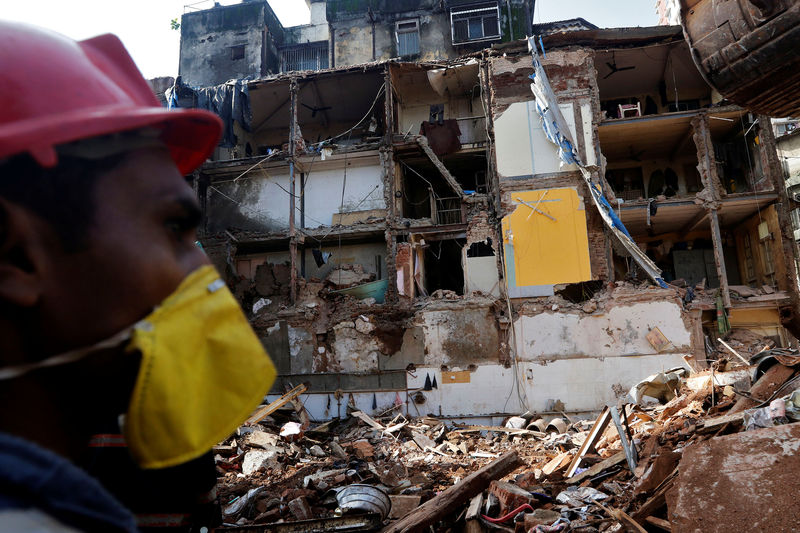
(255, 460)
(317, 451)
(262, 439)
(747, 479)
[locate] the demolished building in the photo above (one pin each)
(401, 228)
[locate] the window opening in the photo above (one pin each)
(305, 57)
(478, 23)
(237, 52)
(407, 37)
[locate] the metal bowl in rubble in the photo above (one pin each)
(365, 499)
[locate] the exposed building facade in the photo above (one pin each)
(406, 231)
(247, 40)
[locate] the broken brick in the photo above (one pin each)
(363, 449)
(509, 495)
(300, 509)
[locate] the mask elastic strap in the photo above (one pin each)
(12, 372)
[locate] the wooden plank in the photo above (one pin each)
(765, 387)
(657, 500)
(713, 424)
(451, 499)
(368, 420)
(422, 141)
(267, 410)
(734, 352)
(556, 463)
(588, 445)
(597, 469)
(623, 518)
(660, 523)
(474, 509)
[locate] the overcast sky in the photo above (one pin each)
(143, 25)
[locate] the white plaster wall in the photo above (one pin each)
(261, 199)
(265, 201)
(315, 31)
(521, 145)
(481, 274)
(619, 332)
(317, 404)
(323, 192)
(584, 385)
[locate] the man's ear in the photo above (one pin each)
(21, 258)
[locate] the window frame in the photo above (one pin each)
(457, 14)
(238, 52)
(398, 30)
(321, 49)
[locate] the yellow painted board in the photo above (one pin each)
(456, 377)
(767, 316)
(550, 247)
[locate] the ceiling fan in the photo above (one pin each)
(634, 155)
(614, 68)
(314, 110)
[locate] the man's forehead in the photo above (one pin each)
(103, 146)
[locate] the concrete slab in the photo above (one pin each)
(746, 481)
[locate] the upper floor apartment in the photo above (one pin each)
(247, 40)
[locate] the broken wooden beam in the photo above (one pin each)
(263, 412)
(422, 141)
(713, 424)
(449, 501)
(660, 523)
(734, 352)
(764, 388)
(588, 445)
(597, 469)
(657, 500)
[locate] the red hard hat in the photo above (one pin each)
(56, 90)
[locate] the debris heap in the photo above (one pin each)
(643, 466)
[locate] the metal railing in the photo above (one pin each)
(305, 57)
(448, 211)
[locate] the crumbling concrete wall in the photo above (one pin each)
(209, 38)
(364, 30)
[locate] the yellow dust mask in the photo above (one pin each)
(203, 372)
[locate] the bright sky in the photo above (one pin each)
(143, 25)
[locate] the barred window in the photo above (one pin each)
(476, 23)
(313, 56)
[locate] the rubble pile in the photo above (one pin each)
(621, 471)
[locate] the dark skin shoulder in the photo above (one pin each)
(140, 247)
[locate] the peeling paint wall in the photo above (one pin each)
(616, 332)
(209, 36)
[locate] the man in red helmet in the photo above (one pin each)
(107, 306)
